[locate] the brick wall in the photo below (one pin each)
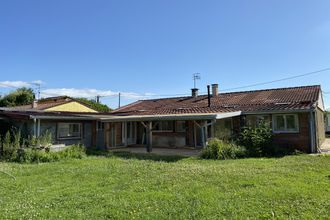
(299, 141)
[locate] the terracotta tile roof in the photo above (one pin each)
(282, 99)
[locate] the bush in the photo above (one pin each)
(14, 148)
(33, 155)
(9, 149)
(257, 140)
(222, 150)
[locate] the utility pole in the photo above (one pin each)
(119, 100)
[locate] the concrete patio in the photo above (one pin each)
(163, 151)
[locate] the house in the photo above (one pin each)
(56, 104)
(59, 115)
(295, 114)
(327, 121)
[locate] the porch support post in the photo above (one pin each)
(204, 133)
(125, 134)
(195, 135)
(113, 135)
(148, 128)
(35, 127)
(38, 128)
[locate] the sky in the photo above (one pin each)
(151, 48)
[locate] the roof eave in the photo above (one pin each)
(185, 117)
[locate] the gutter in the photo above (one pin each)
(62, 118)
(171, 117)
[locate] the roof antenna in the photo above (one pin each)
(37, 84)
(196, 76)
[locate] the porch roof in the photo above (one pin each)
(108, 118)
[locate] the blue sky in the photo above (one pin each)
(144, 47)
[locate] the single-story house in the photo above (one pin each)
(296, 116)
(327, 121)
(59, 115)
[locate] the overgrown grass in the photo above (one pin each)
(35, 155)
(125, 186)
(31, 155)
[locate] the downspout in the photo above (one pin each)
(312, 129)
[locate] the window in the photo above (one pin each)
(285, 123)
(180, 126)
(100, 126)
(328, 120)
(69, 130)
(164, 126)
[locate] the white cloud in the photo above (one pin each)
(91, 93)
(18, 84)
(85, 93)
(13, 84)
(38, 82)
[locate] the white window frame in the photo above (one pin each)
(69, 137)
(285, 124)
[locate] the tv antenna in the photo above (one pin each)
(97, 98)
(38, 85)
(196, 76)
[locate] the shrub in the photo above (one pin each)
(75, 151)
(218, 149)
(34, 155)
(45, 140)
(8, 151)
(256, 140)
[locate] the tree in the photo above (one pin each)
(21, 96)
(97, 106)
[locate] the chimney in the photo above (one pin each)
(208, 96)
(194, 92)
(34, 104)
(215, 90)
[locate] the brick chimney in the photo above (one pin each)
(215, 90)
(194, 92)
(34, 104)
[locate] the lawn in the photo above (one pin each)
(125, 186)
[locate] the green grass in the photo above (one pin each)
(126, 186)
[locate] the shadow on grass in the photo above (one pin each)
(137, 156)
